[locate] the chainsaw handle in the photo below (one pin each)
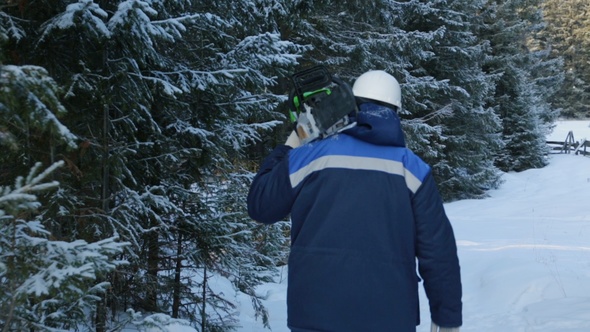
(310, 80)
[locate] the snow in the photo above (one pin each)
(580, 129)
(524, 253)
(83, 12)
(174, 328)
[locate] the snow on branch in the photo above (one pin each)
(22, 195)
(84, 13)
(31, 88)
(9, 29)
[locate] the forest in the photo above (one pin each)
(130, 131)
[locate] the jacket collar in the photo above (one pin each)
(377, 124)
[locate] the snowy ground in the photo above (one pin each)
(524, 252)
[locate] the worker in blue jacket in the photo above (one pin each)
(365, 210)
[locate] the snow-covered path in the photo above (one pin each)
(525, 251)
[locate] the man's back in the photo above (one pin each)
(352, 264)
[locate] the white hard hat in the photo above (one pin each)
(380, 86)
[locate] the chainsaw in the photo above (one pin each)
(320, 104)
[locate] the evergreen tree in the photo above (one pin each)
(433, 50)
(465, 134)
(525, 83)
(46, 284)
(567, 36)
(163, 97)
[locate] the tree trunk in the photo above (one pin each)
(203, 311)
(178, 269)
(101, 310)
(101, 315)
(152, 270)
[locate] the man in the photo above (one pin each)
(363, 208)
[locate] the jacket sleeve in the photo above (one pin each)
(270, 197)
(436, 251)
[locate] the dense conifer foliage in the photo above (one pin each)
(567, 36)
(150, 104)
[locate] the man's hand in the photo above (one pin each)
(293, 140)
(436, 328)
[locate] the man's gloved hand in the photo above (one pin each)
(293, 140)
(436, 328)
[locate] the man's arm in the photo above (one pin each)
(436, 251)
(271, 196)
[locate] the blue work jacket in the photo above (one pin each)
(364, 211)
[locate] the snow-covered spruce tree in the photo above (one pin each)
(163, 95)
(432, 49)
(351, 37)
(338, 32)
(46, 284)
(526, 81)
(50, 281)
(463, 149)
(567, 36)
(230, 109)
